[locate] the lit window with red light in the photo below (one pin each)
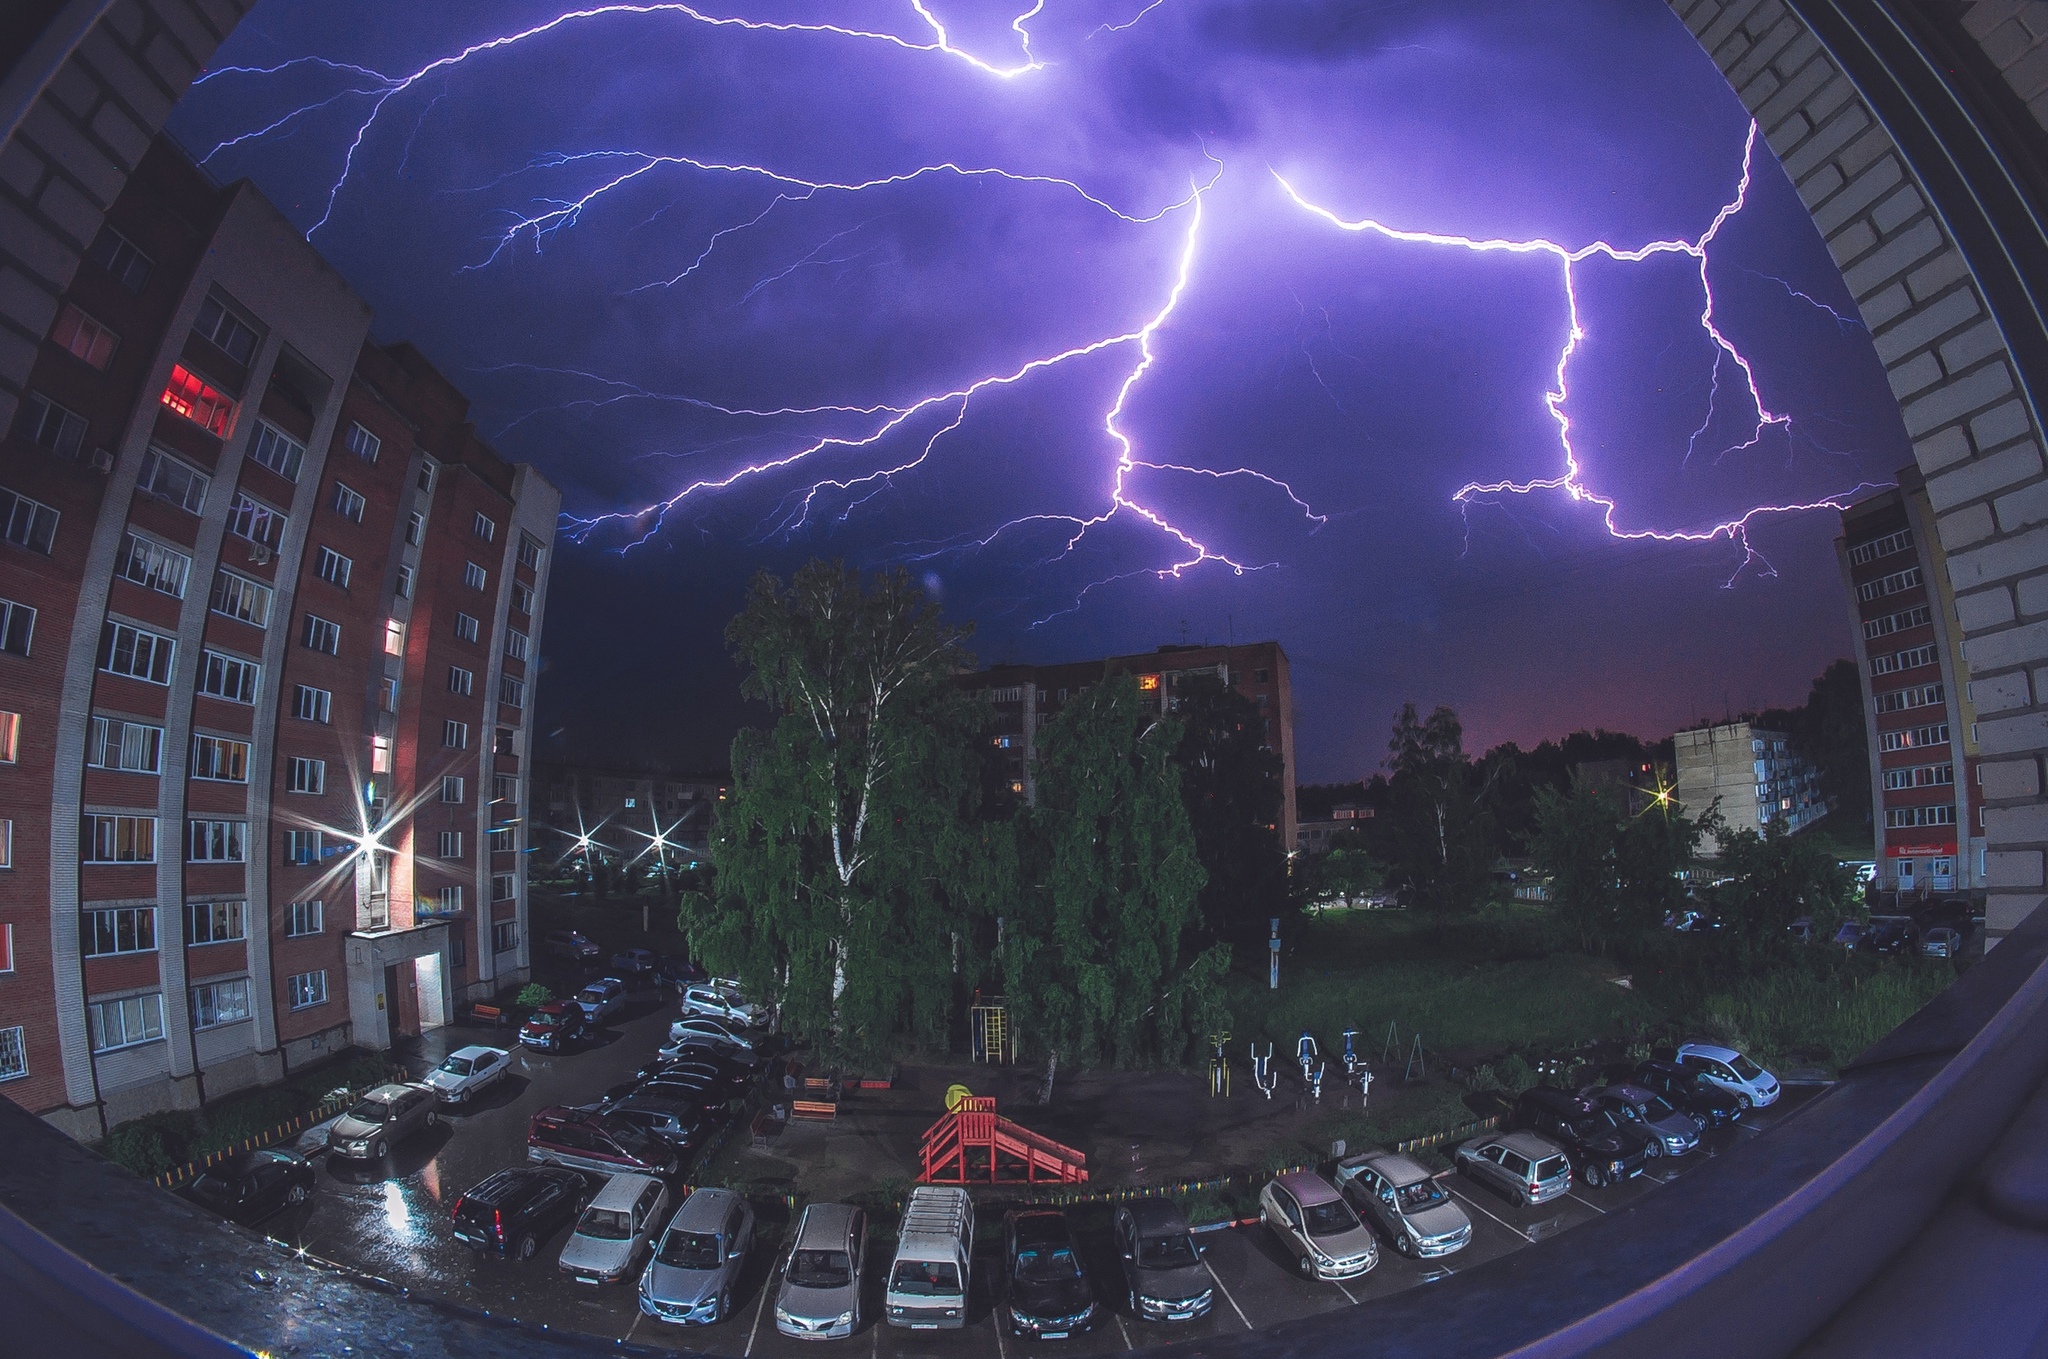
(200, 402)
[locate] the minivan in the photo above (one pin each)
(614, 1229)
(1520, 1164)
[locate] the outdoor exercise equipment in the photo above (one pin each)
(1263, 1075)
(1219, 1067)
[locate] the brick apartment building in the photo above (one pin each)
(268, 616)
(1026, 697)
(623, 808)
(1920, 706)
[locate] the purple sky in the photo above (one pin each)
(692, 321)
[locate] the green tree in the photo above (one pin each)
(1575, 841)
(1100, 957)
(1346, 873)
(1773, 879)
(1231, 781)
(1655, 846)
(1438, 837)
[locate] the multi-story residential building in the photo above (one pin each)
(237, 829)
(1313, 836)
(1026, 697)
(623, 809)
(1920, 706)
(1754, 775)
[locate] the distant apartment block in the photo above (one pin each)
(1754, 775)
(1919, 704)
(269, 614)
(1315, 836)
(1026, 697)
(624, 808)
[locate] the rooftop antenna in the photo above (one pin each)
(1183, 632)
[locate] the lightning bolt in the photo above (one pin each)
(1726, 354)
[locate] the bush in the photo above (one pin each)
(533, 994)
(154, 1143)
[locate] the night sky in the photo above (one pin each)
(1300, 401)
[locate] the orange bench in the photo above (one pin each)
(823, 1111)
(487, 1014)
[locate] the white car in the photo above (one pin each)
(721, 1000)
(710, 1029)
(1727, 1069)
(466, 1071)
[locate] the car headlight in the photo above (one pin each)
(845, 1319)
(784, 1317)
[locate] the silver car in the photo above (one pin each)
(697, 1265)
(1418, 1216)
(821, 1283)
(1520, 1164)
(1675, 1133)
(614, 1229)
(1317, 1227)
(380, 1120)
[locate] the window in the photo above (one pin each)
(7, 861)
(505, 787)
(13, 1051)
(529, 552)
(229, 333)
(126, 650)
(426, 477)
(333, 568)
(1897, 818)
(220, 1002)
(17, 627)
(364, 444)
(394, 637)
(153, 566)
(503, 746)
(239, 597)
(51, 426)
(216, 842)
(484, 527)
(451, 845)
(112, 252)
(387, 693)
(216, 922)
(116, 839)
(321, 635)
(347, 503)
(415, 528)
(404, 590)
(504, 886)
(278, 451)
(1914, 737)
(219, 758)
(117, 929)
(111, 743)
(199, 401)
(1898, 622)
(1920, 776)
(448, 901)
(302, 847)
(310, 704)
(305, 775)
(455, 735)
(458, 948)
(505, 936)
(10, 737)
(1895, 583)
(511, 691)
(173, 480)
(522, 597)
(228, 677)
(302, 918)
(1908, 659)
(473, 576)
(1913, 696)
(515, 644)
(83, 336)
(460, 680)
(504, 839)
(304, 989)
(126, 1022)
(250, 518)
(1881, 547)
(465, 627)
(451, 788)
(29, 523)
(380, 755)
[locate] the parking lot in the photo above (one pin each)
(393, 1221)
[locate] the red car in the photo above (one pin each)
(584, 1140)
(554, 1026)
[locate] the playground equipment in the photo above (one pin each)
(1263, 1075)
(1350, 1057)
(1219, 1067)
(1364, 1077)
(1315, 1083)
(1417, 1069)
(988, 1027)
(1306, 1053)
(972, 1144)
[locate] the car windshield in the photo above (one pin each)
(690, 1250)
(1586, 1128)
(820, 1269)
(1046, 1263)
(925, 1277)
(593, 993)
(1165, 1252)
(370, 1111)
(1657, 1107)
(544, 1019)
(1413, 1198)
(1745, 1068)
(1329, 1219)
(1550, 1168)
(457, 1066)
(220, 1180)
(1623, 1112)
(605, 1224)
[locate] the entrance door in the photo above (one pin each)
(402, 997)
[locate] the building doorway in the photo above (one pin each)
(402, 1000)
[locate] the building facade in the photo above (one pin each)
(1026, 697)
(1918, 700)
(1754, 775)
(623, 809)
(248, 812)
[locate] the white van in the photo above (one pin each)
(928, 1279)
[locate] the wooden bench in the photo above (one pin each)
(488, 1014)
(823, 1111)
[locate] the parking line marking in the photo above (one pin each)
(1588, 1202)
(767, 1287)
(995, 1320)
(1495, 1216)
(1226, 1295)
(1342, 1289)
(638, 1317)
(1126, 1332)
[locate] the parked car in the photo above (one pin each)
(251, 1186)
(616, 1226)
(514, 1211)
(466, 1071)
(722, 1000)
(1046, 1293)
(706, 1031)
(1731, 1071)
(1316, 1227)
(679, 973)
(693, 1090)
(1417, 1214)
(697, 1264)
(1851, 934)
(571, 945)
(602, 999)
(821, 1283)
(1602, 1148)
(583, 1139)
(554, 1026)
(1709, 1104)
(633, 960)
(1893, 935)
(931, 1273)
(1162, 1264)
(1801, 930)
(1941, 942)
(1675, 1131)
(380, 1120)
(680, 1123)
(1519, 1164)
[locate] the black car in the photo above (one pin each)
(1602, 1151)
(1162, 1264)
(250, 1187)
(1890, 934)
(683, 1124)
(677, 973)
(514, 1211)
(1691, 1092)
(1047, 1295)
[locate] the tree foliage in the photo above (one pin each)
(1231, 782)
(1772, 880)
(1612, 874)
(1438, 836)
